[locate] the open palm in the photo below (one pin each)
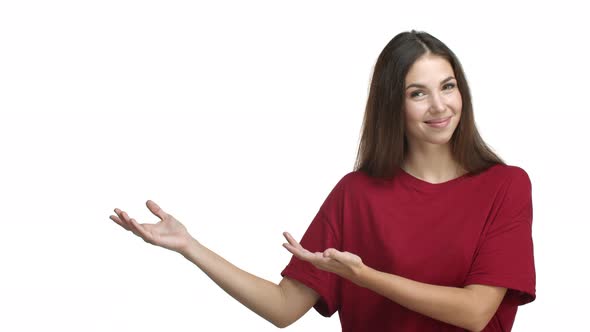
(168, 233)
(343, 263)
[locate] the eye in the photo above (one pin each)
(447, 86)
(415, 93)
(450, 85)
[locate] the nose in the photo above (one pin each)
(437, 103)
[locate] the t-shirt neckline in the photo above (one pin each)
(415, 182)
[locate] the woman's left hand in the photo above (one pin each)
(344, 264)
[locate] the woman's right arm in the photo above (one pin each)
(280, 304)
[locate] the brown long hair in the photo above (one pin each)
(383, 145)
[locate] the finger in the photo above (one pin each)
(126, 220)
(291, 249)
(292, 240)
(155, 209)
(321, 257)
(343, 257)
(119, 222)
(333, 253)
(141, 231)
(301, 254)
(305, 254)
(296, 244)
(122, 218)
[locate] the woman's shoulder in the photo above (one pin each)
(507, 176)
(356, 178)
(508, 171)
(358, 181)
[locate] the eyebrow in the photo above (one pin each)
(423, 86)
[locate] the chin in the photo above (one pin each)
(438, 139)
(440, 142)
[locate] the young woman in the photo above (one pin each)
(431, 231)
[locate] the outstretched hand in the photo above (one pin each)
(168, 233)
(344, 264)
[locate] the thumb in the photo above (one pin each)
(155, 209)
(332, 253)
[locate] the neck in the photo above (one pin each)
(432, 163)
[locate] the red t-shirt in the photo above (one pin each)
(475, 229)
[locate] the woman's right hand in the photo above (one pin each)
(168, 233)
(280, 304)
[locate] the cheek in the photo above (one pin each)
(415, 111)
(457, 102)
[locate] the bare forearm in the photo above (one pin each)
(259, 295)
(452, 305)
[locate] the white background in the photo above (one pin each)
(239, 118)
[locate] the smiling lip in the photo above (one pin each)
(439, 124)
(438, 120)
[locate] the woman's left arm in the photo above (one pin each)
(470, 307)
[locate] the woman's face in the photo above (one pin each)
(431, 93)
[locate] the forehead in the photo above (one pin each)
(429, 68)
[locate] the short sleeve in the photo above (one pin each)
(505, 255)
(322, 233)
